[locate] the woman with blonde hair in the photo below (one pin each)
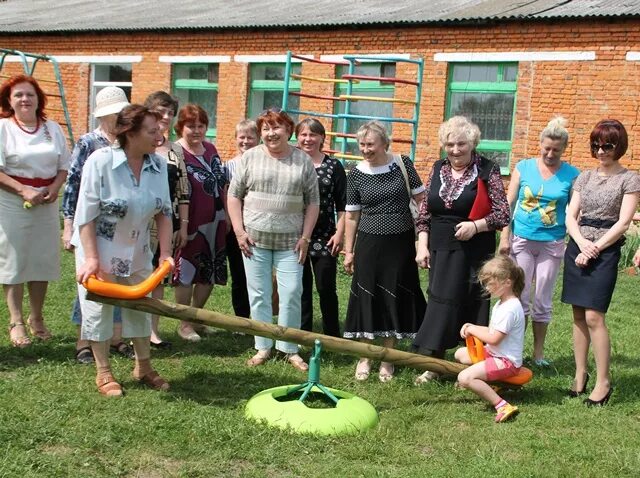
(465, 204)
(539, 191)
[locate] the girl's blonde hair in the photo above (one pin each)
(502, 268)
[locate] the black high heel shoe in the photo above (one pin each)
(577, 393)
(599, 403)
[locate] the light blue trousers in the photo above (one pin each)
(258, 269)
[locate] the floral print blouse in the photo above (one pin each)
(122, 208)
(452, 188)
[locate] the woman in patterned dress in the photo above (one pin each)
(465, 204)
(602, 206)
(123, 188)
(327, 236)
(34, 159)
(386, 300)
(202, 261)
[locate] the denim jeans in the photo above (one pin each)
(258, 269)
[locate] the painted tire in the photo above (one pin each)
(351, 414)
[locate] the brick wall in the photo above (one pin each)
(582, 91)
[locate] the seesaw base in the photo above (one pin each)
(351, 415)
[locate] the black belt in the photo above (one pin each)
(597, 223)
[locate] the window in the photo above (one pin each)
(103, 75)
(486, 94)
(364, 108)
(267, 87)
(198, 83)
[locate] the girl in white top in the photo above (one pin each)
(502, 278)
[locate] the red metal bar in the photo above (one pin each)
(380, 78)
(322, 62)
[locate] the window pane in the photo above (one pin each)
(366, 108)
(370, 69)
(272, 72)
(208, 99)
(492, 112)
(475, 73)
(510, 73)
(114, 73)
(207, 72)
(500, 157)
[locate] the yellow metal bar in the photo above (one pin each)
(377, 98)
(347, 156)
(321, 80)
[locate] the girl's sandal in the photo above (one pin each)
(108, 386)
(19, 340)
(363, 369)
(39, 330)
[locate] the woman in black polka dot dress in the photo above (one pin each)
(327, 237)
(385, 298)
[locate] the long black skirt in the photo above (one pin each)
(385, 298)
(454, 297)
(590, 287)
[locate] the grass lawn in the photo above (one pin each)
(53, 423)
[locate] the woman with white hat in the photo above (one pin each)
(109, 102)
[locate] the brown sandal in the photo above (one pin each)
(39, 330)
(298, 362)
(108, 386)
(21, 341)
(154, 381)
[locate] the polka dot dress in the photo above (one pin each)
(380, 193)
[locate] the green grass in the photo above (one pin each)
(53, 423)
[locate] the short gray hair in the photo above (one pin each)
(459, 126)
(556, 129)
(375, 128)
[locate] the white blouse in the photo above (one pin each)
(38, 155)
(122, 208)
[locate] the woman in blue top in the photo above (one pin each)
(539, 192)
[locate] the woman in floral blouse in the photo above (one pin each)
(465, 203)
(122, 189)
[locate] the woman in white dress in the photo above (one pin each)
(34, 160)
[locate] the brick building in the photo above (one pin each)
(511, 65)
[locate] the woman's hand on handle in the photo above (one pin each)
(90, 267)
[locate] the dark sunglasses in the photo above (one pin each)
(606, 147)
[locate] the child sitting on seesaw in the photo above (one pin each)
(504, 338)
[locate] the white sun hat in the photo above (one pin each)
(110, 100)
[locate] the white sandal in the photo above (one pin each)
(428, 376)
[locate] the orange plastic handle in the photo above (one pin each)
(475, 347)
(135, 291)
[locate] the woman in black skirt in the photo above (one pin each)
(601, 208)
(385, 300)
(465, 203)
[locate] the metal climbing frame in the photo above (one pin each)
(29, 63)
(351, 61)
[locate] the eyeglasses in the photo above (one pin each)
(606, 147)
